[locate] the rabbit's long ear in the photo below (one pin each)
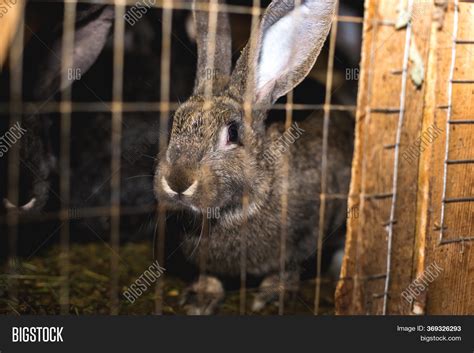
(92, 27)
(288, 42)
(214, 46)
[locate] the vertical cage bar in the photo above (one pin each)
(401, 119)
(284, 210)
(324, 161)
(117, 117)
(281, 290)
(14, 158)
(449, 115)
(211, 49)
(248, 99)
(167, 24)
(210, 70)
(65, 140)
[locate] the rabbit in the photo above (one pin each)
(90, 152)
(214, 157)
(42, 83)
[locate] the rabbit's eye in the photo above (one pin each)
(233, 133)
(229, 136)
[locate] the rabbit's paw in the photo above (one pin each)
(203, 296)
(271, 287)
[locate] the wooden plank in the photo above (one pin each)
(452, 292)
(416, 244)
(362, 287)
(424, 174)
(348, 289)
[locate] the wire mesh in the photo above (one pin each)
(66, 107)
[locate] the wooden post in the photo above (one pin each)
(399, 159)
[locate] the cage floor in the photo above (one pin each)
(37, 283)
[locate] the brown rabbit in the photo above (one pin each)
(216, 155)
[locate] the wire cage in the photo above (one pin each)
(78, 249)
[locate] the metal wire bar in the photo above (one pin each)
(211, 47)
(458, 240)
(284, 209)
(137, 107)
(401, 120)
(117, 114)
(462, 161)
(458, 200)
(284, 199)
(324, 162)
(386, 110)
(94, 212)
(210, 62)
(464, 41)
(85, 213)
(462, 82)
(449, 115)
(248, 122)
(167, 24)
(381, 196)
(64, 160)
(460, 122)
(15, 65)
(187, 5)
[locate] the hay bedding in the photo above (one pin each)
(39, 285)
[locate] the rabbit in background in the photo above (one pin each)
(215, 157)
(90, 143)
(42, 72)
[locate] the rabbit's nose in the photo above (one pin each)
(179, 183)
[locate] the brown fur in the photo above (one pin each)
(223, 175)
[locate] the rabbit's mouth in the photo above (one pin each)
(180, 197)
(196, 197)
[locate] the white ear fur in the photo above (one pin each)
(278, 47)
(287, 46)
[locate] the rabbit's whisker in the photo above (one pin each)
(139, 176)
(200, 237)
(151, 157)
